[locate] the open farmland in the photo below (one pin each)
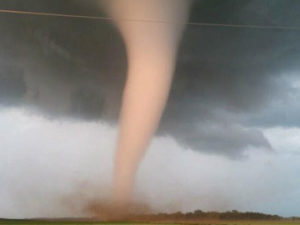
(35, 222)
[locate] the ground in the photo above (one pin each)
(24, 222)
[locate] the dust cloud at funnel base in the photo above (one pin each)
(151, 54)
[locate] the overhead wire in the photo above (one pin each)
(249, 26)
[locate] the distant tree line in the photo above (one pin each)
(201, 215)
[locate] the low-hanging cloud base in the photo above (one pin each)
(60, 168)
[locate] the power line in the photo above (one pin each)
(7, 11)
(53, 14)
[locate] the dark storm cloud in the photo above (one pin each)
(239, 71)
(255, 12)
(12, 86)
(282, 111)
(224, 78)
(68, 65)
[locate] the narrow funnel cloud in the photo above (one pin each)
(151, 30)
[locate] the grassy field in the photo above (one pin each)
(24, 222)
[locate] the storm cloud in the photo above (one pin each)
(228, 81)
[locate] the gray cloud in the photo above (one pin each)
(224, 81)
(12, 86)
(43, 179)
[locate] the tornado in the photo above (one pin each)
(151, 30)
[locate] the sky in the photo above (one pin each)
(229, 137)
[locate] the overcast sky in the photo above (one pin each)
(229, 138)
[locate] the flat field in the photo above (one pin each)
(28, 222)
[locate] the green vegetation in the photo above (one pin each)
(36, 222)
